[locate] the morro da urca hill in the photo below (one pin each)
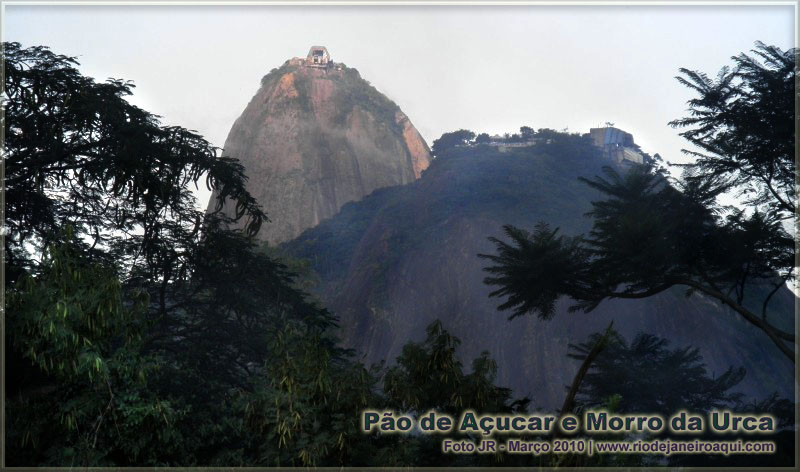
(316, 136)
(393, 262)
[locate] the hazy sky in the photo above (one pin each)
(483, 68)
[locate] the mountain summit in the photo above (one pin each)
(316, 136)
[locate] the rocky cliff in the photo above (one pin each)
(315, 138)
(405, 256)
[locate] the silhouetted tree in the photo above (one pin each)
(743, 122)
(450, 140)
(140, 330)
(526, 132)
(428, 375)
(645, 375)
(483, 138)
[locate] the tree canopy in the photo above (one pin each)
(449, 140)
(640, 375)
(743, 123)
(140, 329)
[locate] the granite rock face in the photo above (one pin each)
(315, 138)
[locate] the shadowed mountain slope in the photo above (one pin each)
(404, 256)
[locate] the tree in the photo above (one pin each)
(258, 358)
(141, 330)
(99, 221)
(79, 153)
(429, 375)
(450, 140)
(650, 235)
(743, 123)
(645, 375)
(86, 372)
(305, 402)
(483, 138)
(80, 157)
(526, 132)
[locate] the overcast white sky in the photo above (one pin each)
(483, 68)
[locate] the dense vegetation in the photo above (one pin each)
(141, 331)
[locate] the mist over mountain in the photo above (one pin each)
(404, 256)
(316, 136)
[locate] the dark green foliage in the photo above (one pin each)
(649, 235)
(560, 263)
(645, 375)
(482, 138)
(78, 148)
(69, 311)
(87, 395)
(526, 132)
(305, 403)
(352, 92)
(430, 376)
(448, 141)
(249, 341)
(79, 156)
(640, 376)
(367, 97)
(147, 333)
(596, 345)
